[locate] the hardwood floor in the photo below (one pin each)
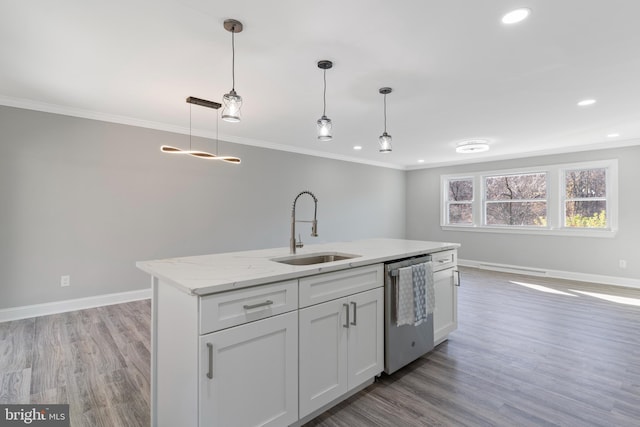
(541, 355)
(95, 360)
(528, 352)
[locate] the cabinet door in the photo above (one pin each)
(445, 313)
(248, 374)
(323, 354)
(366, 336)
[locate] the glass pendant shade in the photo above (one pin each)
(324, 129)
(232, 103)
(385, 139)
(324, 123)
(385, 143)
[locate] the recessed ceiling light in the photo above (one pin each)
(421, 161)
(613, 135)
(586, 102)
(516, 16)
(357, 147)
(473, 146)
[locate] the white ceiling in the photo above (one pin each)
(456, 71)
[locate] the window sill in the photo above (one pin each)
(566, 232)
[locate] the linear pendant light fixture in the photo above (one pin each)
(197, 153)
(385, 138)
(232, 101)
(324, 122)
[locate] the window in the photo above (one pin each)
(579, 199)
(516, 200)
(460, 201)
(585, 204)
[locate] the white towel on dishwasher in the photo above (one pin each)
(430, 291)
(405, 309)
(419, 293)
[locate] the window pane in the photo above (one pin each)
(517, 213)
(586, 183)
(586, 214)
(460, 190)
(460, 213)
(516, 187)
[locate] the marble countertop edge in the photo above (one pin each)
(213, 273)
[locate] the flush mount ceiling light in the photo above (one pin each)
(197, 153)
(324, 122)
(472, 146)
(385, 138)
(515, 16)
(613, 135)
(232, 101)
(586, 102)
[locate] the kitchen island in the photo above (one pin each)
(253, 338)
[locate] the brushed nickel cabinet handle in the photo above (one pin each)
(355, 308)
(458, 274)
(346, 325)
(260, 304)
(210, 372)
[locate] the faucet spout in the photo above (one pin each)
(293, 244)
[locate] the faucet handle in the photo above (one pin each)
(299, 243)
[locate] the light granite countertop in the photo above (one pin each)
(207, 274)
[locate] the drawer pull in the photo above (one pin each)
(355, 309)
(210, 372)
(346, 325)
(260, 304)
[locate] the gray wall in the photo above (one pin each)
(89, 199)
(573, 254)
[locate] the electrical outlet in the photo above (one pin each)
(65, 281)
(622, 263)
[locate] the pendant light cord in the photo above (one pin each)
(233, 59)
(216, 134)
(190, 109)
(385, 113)
(324, 94)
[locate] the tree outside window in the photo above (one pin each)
(586, 198)
(460, 201)
(516, 200)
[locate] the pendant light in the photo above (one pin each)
(232, 101)
(385, 138)
(324, 122)
(197, 153)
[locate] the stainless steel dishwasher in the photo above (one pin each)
(403, 344)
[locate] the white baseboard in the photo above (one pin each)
(556, 274)
(36, 310)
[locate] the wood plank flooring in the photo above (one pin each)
(95, 360)
(528, 352)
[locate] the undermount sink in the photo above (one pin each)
(314, 258)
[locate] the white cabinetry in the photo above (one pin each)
(249, 374)
(445, 313)
(341, 340)
(226, 359)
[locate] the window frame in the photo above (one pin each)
(448, 203)
(486, 202)
(556, 197)
(564, 199)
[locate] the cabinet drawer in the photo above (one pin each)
(338, 284)
(223, 310)
(444, 259)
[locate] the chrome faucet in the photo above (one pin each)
(293, 244)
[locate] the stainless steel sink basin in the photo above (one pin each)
(314, 258)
